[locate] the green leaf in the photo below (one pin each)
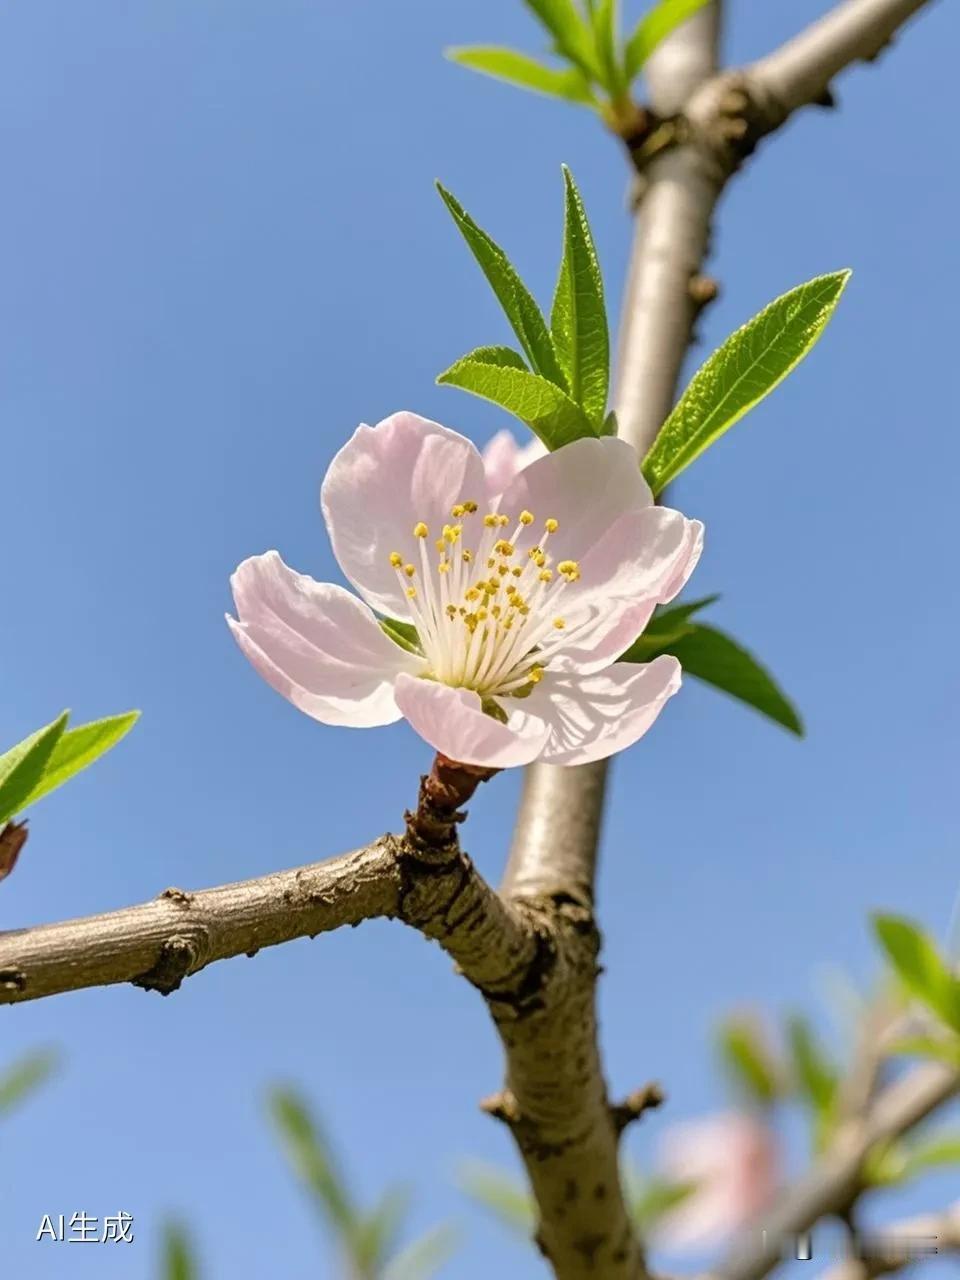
(814, 1075)
(748, 1061)
(605, 19)
(423, 1258)
(179, 1260)
(312, 1159)
(80, 747)
(571, 36)
(527, 73)
(942, 1151)
(545, 409)
(578, 319)
(655, 26)
(651, 1198)
(24, 1077)
(920, 967)
(927, 1047)
(713, 657)
(513, 295)
(402, 633)
(22, 767)
(375, 1236)
(511, 1203)
(740, 373)
(668, 625)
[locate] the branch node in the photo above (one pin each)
(702, 289)
(636, 1104)
(178, 957)
(502, 1106)
(179, 896)
(432, 826)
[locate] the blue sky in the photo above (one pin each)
(221, 250)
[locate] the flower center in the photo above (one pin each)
(486, 607)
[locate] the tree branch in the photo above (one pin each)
(834, 1183)
(900, 1245)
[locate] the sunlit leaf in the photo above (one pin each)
(525, 72)
(22, 767)
(712, 656)
(748, 1060)
(312, 1159)
(920, 967)
(740, 373)
(80, 747)
(571, 35)
(667, 625)
(402, 633)
(655, 26)
(578, 318)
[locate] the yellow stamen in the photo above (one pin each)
(545, 575)
(458, 510)
(440, 544)
(470, 508)
(516, 571)
(559, 623)
(409, 570)
(420, 530)
(551, 525)
(443, 566)
(411, 593)
(396, 559)
(535, 675)
(451, 611)
(491, 521)
(526, 517)
(504, 548)
(467, 557)
(569, 569)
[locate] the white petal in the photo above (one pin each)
(316, 644)
(452, 721)
(383, 482)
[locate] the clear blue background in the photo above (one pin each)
(220, 249)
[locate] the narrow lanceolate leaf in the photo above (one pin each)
(578, 320)
(376, 1232)
(424, 1258)
(655, 26)
(402, 633)
(920, 967)
(748, 1061)
(179, 1261)
(313, 1161)
(527, 73)
(22, 767)
(713, 657)
(571, 35)
(545, 408)
(815, 1076)
(605, 20)
(941, 1050)
(740, 373)
(513, 295)
(20, 1080)
(78, 748)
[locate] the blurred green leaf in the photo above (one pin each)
(78, 748)
(26, 1075)
(815, 1076)
(490, 372)
(508, 1201)
(525, 72)
(651, 1199)
(578, 319)
(179, 1259)
(571, 35)
(423, 1258)
(22, 767)
(605, 21)
(712, 656)
(376, 1233)
(312, 1159)
(748, 1060)
(402, 633)
(920, 967)
(740, 373)
(927, 1047)
(655, 26)
(514, 297)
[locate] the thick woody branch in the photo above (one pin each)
(900, 1245)
(833, 1185)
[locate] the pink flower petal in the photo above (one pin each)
(452, 721)
(384, 481)
(316, 644)
(503, 458)
(591, 717)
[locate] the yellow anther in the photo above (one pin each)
(470, 508)
(523, 610)
(411, 593)
(551, 525)
(559, 623)
(452, 532)
(503, 520)
(503, 569)
(491, 563)
(539, 559)
(420, 530)
(458, 511)
(482, 615)
(396, 559)
(467, 556)
(536, 675)
(409, 570)
(491, 521)
(545, 575)
(443, 566)
(471, 594)
(504, 548)
(507, 624)
(471, 622)
(516, 571)
(440, 544)
(526, 517)
(490, 588)
(511, 589)
(496, 611)
(569, 569)
(451, 610)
